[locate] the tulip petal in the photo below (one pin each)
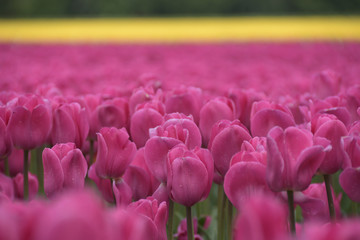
(63, 130)
(53, 173)
(122, 192)
(74, 167)
(275, 166)
(350, 181)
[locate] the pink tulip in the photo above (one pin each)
(158, 213)
(329, 127)
(314, 203)
(182, 229)
(292, 158)
(186, 100)
(139, 182)
(180, 127)
(19, 186)
(266, 115)
(6, 144)
(115, 152)
(190, 175)
(260, 218)
(122, 192)
(110, 113)
(104, 185)
(217, 109)
(326, 83)
(140, 96)
(246, 175)
(70, 124)
(30, 123)
(6, 188)
(64, 167)
(147, 116)
(226, 140)
(16, 161)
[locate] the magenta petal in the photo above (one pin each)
(6, 186)
(306, 166)
(53, 173)
(296, 141)
(189, 179)
(243, 180)
(275, 166)
(160, 220)
(74, 167)
(206, 157)
(122, 192)
(156, 150)
(63, 130)
(104, 185)
(161, 194)
(19, 185)
(41, 123)
(19, 128)
(139, 182)
(350, 181)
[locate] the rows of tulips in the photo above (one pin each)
(151, 152)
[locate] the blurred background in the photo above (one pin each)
(166, 8)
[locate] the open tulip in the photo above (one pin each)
(64, 168)
(6, 144)
(115, 152)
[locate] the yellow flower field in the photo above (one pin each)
(179, 30)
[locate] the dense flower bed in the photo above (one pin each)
(271, 129)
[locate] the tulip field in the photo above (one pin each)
(253, 140)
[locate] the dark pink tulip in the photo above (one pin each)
(115, 152)
(156, 150)
(104, 185)
(216, 109)
(226, 140)
(70, 124)
(147, 116)
(352, 101)
(64, 167)
(266, 115)
(6, 144)
(110, 113)
(314, 203)
(246, 175)
(139, 182)
(140, 96)
(326, 83)
(292, 158)
(262, 218)
(190, 175)
(74, 216)
(16, 161)
(122, 192)
(182, 229)
(186, 100)
(329, 127)
(19, 186)
(156, 212)
(30, 122)
(6, 187)
(180, 127)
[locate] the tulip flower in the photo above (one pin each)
(6, 144)
(266, 115)
(70, 124)
(292, 161)
(217, 109)
(64, 168)
(182, 229)
(19, 186)
(226, 140)
(103, 184)
(147, 116)
(326, 83)
(115, 152)
(6, 188)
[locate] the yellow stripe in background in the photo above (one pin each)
(177, 30)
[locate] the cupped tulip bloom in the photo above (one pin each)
(226, 140)
(292, 158)
(266, 115)
(64, 168)
(115, 152)
(349, 178)
(6, 144)
(140, 96)
(246, 175)
(314, 203)
(262, 217)
(216, 109)
(158, 213)
(186, 100)
(30, 122)
(70, 124)
(190, 175)
(19, 186)
(147, 116)
(180, 127)
(110, 113)
(329, 127)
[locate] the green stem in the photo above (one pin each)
(354, 208)
(220, 213)
(327, 179)
(26, 177)
(170, 220)
(290, 195)
(6, 166)
(40, 170)
(190, 232)
(91, 152)
(230, 219)
(112, 188)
